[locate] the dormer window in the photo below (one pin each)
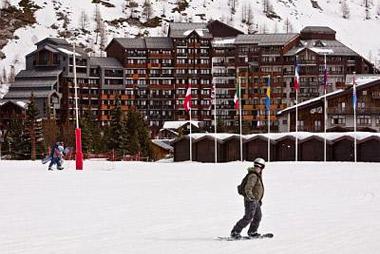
(319, 43)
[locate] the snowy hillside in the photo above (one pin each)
(132, 207)
(64, 17)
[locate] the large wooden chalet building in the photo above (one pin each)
(153, 73)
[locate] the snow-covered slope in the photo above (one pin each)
(357, 32)
(139, 208)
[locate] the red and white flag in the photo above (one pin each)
(296, 76)
(187, 102)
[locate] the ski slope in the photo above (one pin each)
(135, 207)
(360, 34)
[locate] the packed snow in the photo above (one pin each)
(136, 207)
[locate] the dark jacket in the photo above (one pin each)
(254, 189)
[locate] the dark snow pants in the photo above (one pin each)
(252, 215)
(57, 161)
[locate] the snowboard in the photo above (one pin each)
(46, 159)
(261, 236)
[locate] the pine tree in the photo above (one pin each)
(91, 137)
(133, 132)
(16, 141)
(33, 126)
(117, 136)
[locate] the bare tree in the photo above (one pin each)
(5, 4)
(133, 6)
(249, 16)
(147, 10)
(83, 21)
(5, 75)
(345, 9)
(12, 75)
(103, 38)
(98, 22)
(275, 28)
(288, 27)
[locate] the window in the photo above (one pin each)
(317, 125)
(364, 120)
(338, 120)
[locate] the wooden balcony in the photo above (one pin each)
(137, 66)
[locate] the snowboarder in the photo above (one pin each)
(56, 155)
(252, 189)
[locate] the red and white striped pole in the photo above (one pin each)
(78, 131)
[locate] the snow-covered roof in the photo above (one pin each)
(178, 124)
(68, 52)
(330, 136)
(163, 144)
(310, 101)
(360, 81)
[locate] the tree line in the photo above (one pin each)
(31, 138)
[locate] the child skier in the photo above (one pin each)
(56, 155)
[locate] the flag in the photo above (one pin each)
(236, 98)
(187, 103)
(354, 98)
(296, 77)
(267, 98)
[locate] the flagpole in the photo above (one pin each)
(296, 87)
(269, 120)
(355, 102)
(325, 109)
(190, 140)
(215, 126)
(296, 125)
(240, 120)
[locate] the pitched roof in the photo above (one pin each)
(105, 62)
(55, 41)
(322, 46)
(19, 95)
(318, 29)
(158, 43)
(163, 144)
(38, 74)
(265, 39)
(182, 30)
(132, 43)
(41, 83)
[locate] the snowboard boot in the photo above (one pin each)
(60, 168)
(50, 168)
(235, 235)
(253, 234)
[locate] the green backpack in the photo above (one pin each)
(241, 187)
